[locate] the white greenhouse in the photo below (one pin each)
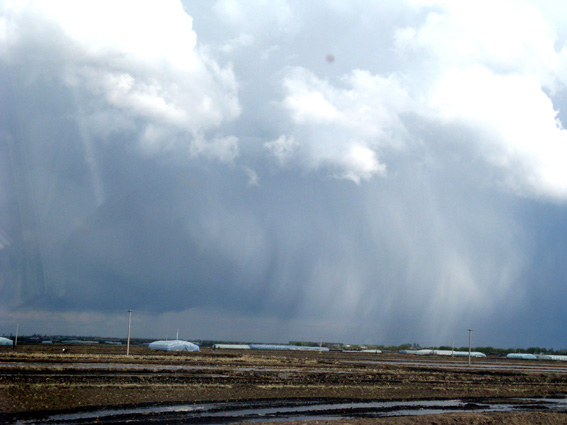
(521, 356)
(173, 345)
(6, 341)
(552, 357)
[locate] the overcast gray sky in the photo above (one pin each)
(365, 172)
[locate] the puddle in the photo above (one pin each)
(284, 410)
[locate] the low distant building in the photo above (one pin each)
(552, 357)
(467, 354)
(429, 352)
(268, 347)
(286, 347)
(231, 347)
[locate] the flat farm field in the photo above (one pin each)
(39, 381)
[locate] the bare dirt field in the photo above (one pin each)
(38, 382)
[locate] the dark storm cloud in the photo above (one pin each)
(238, 181)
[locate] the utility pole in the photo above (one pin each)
(16, 339)
(470, 334)
(129, 323)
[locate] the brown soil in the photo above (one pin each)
(35, 380)
(456, 419)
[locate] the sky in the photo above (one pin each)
(359, 172)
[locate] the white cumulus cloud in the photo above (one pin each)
(516, 125)
(139, 58)
(343, 128)
(494, 67)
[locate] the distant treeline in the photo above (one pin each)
(414, 346)
(504, 351)
(27, 339)
(486, 350)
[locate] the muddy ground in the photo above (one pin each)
(38, 380)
